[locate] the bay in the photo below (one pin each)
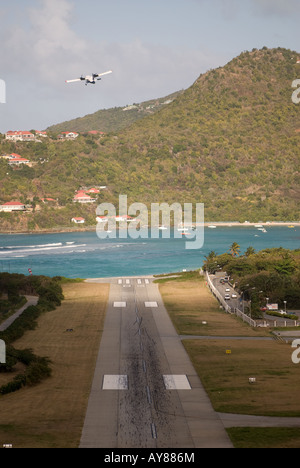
(84, 255)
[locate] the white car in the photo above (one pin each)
(234, 296)
(227, 297)
(227, 290)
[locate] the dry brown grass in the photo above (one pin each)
(190, 302)
(52, 413)
(226, 377)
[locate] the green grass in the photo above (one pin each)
(271, 437)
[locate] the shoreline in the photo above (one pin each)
(206, 224)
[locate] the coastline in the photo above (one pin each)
(63, 230)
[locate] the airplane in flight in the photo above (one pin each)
(90, 79)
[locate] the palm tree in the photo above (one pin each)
(250, 251)
(211, 256)
(235, 249)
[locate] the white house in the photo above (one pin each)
(78, 220)
(19, 136)
(81, 197)
(102, 219)
(69, 135)
(12, 206)
(17, 160)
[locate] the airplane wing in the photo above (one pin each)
(102, 74)
(73, 81)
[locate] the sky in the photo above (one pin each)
(154, 47)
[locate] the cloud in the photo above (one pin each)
(46, 46)
(276, 7)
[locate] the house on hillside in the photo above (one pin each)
(82, 197)
(9, 207)
(68, 136)
(41, 134)
(93, 190)
(78, 220)
(19, 136)
(17, 160)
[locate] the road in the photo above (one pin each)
(145, 392)
(233, 303)
(31, 300)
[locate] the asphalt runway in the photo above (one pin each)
(145, 391)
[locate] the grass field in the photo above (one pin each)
(51, 414)
(226, 376)
(190, 303)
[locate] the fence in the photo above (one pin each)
(282, 323)
(218, 295)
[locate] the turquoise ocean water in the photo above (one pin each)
(84, 255)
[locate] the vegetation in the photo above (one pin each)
(113, 120)
(50, 296)
(230, 141)
(270, 273)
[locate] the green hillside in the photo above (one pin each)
(115, 119)
(231, 141)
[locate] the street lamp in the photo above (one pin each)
(285, 305)
(243, 296)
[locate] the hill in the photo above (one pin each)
(115, 119)
(231, 141)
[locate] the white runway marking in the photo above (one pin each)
(120, 304)
(115, 382)
(176, 382)
(151, 304)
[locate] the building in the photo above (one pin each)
(82, 197)
(41, 134)
(102, 219)
(19, 136)
(17, 160)
(78, 220)
(68, 135)
(12, 206)
(93, 190)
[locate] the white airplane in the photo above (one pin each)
(90, 79)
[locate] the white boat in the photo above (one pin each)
(162, 228)
(212, 227)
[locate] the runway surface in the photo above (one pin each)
(145, 392)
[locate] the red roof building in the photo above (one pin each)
(81, 197)
(78, 220)
(19, 136)
(13, 206)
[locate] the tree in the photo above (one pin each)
(250, 251)
(235, 249)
